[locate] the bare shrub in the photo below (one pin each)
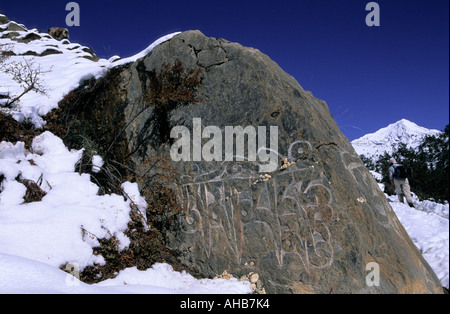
(171, 86)
(28, 75)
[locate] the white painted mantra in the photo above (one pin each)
(213, 149)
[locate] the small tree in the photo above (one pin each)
(382, 166)
(368, 162)
(27, 74)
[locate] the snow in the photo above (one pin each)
(50, 151)
(428, 227)
(50, 231)
(163, 279)
(26, 276)
(132, 192)
(97, 163)
(376, 175)
(404, 131)
(117, 61)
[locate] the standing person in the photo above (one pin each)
(399, 181)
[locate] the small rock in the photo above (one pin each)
(254, 278)
(361, 200)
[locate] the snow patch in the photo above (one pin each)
(429, 230)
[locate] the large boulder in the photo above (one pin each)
(317, 222)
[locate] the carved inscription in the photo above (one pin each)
(287, 216)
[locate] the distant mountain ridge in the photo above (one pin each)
(386, 139)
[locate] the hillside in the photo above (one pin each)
(63, 66)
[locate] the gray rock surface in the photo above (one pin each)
(311, 226)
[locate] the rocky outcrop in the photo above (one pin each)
(314, 224)
(19, 34)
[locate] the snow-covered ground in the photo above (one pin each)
(428, 227)
(20, 275)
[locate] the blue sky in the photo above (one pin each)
(369, 76)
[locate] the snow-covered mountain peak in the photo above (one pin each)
(386, 139)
